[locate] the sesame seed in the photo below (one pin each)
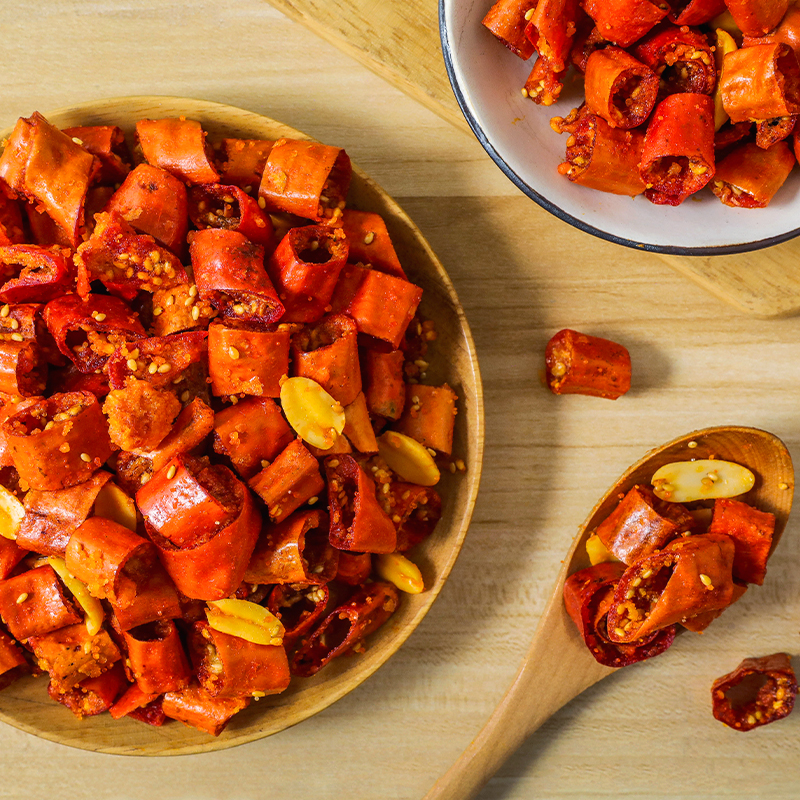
(706, 581)
(5, 311)
(195, 313)
(783, 486)
(131, 364)
(17, 337)
(64, 448)
(157, 311)
(185, 396)
(22, 598)
(262, 203)
(86, 457)
(170, 300)
(313, 500)
(164, 368)
(171, 472)
(233, 352)
(153, 368)
(692, 445)
(369, 238)
(192, 291)
(14, 324)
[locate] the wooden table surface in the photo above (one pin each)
(522, 275)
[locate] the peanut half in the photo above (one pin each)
(248, 621)
(704, 479)
(315, 416)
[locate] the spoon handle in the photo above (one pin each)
(556, 668)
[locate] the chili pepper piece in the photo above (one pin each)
(362, 614)
(430, 417)
(194, 706)
(750, 176)
(623, 22)
(156, 661)
(242, 161)
(107, 144)
(219, 206)
(41, 273)
(298, 608)
(757, 692)
(179, 147)
(507, 21)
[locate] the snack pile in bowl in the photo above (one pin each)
(217, 441)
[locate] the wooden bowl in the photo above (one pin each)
(26, 705)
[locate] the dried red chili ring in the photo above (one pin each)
(45, 605)
(230, 274)
(588, 594)
(126, 262)
(771, 131)
(678, 153)
(414, 510)
(357, 520)
(691, 576)
(305, 268)
(51, 517)
(430, 416)
(59, 441)
(228, 666)
(599, 156)
(209, 566)
(551, 29)
(299, 607)
(384, 387)
(506, 19)
(369, 241)
(749, 176)
(760, 82)
(156, 661)
(178, 146)
(156, 599)
(289, 481)
(355, 619)
(92, 696)
(581, 364)
(623, 22)
(23, 370)
(354, 568)
(41, 273)
(295, 551)
(196, 707)
(247, 362)
(251, 432)
(110, 559)
(107, 144)
(619, 88)
(12, 663)
(225, 207)
(88, 331)
(756, 17)
(154, 202)
(681, 57)
(641, 524)
(752, 532)
(328, 354)
(757, 692)
(49, 169)
(242, 161)
(305, 178)
(695, 12)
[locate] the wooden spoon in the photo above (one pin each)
(558, 665)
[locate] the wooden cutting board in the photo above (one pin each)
(399, 40)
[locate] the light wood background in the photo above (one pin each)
(522, 275)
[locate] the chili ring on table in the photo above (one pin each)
(677, 96)
(205, 352)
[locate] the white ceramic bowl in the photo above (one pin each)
(487, 79)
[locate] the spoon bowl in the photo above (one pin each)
(558, 666)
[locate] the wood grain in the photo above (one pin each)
(26, 705)
(399, 40)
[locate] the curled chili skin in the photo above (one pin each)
(67, 452)
(506, 20)
(577, 363)
(552, 30)
(695, 12)
(328, 354)
(87, 331)
(46, 167)
(757, 17)
(678, 153)
(345, 627)
(156, 660)
(51, 517)
(749, 176)
(110, 559)
(623, 22)
(299, 608)
(42, 273)
(760, 82)
(46, 606)
(642, 524)
(357, 520)
(230, 208)
(107, 144)
(619, 88)
(154, 202)
(23, 370)
(305, 178)
(752, 532)
(229, 273)
(196, 707)
(228, 666)
(691, 576)
(681, 57)
(296, 551)
(304, 270)
(587, 596)
(179, 147)
(252, 431)
(757, 692)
